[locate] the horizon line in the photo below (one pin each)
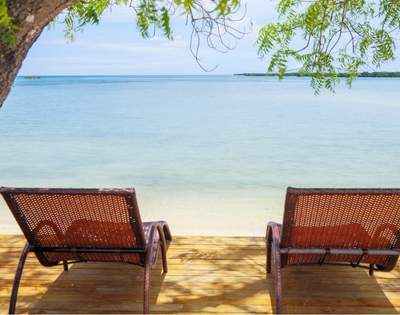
(116, 75)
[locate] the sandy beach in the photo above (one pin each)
(219, 214)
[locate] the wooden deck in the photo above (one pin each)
(207, 275)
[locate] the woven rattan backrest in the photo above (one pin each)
(99, 218)
(341, 218)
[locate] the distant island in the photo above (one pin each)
(381, 74)
(31, 77)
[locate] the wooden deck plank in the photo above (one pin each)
(207, 275)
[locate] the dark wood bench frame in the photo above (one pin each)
(276, 253)
(146, 249)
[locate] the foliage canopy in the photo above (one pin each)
(332, 36)
(335, 36)
(7, 27)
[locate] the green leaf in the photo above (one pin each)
(165, 23)
(8, 28)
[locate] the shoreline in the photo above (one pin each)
(203, 214)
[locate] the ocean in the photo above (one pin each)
(212, 155)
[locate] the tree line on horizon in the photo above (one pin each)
(375, 74)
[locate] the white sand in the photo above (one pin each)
(239, 213)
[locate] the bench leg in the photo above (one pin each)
(146, 297)
(274, 256)
(164, 235)
(17, 279)
(163, 246)
(278, 283)
(269, 254)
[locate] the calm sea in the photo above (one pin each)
(209, 154)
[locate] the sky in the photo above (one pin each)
(115, 47)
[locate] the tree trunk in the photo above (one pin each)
(31, 16)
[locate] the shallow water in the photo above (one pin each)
(209, 154)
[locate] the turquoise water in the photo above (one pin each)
(210, 154)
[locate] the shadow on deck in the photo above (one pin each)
(207, 275)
